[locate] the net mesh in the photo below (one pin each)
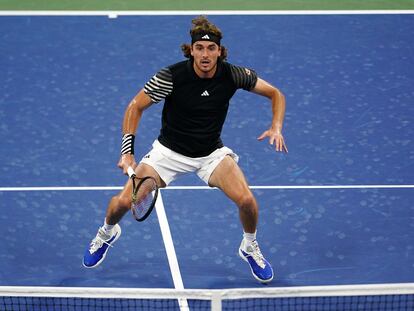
(351, 303)
(387, 297)
(102, 304)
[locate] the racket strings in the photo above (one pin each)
(143, 196)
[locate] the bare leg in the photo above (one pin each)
(121, 203)
(230, 179)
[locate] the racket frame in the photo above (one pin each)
(135, 188)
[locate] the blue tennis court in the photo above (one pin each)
(338, 209)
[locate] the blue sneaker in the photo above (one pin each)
(260, 267)
(99, 246)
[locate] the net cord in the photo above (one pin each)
(210, 294)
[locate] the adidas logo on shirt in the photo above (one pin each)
(205, 93)
(205, 37)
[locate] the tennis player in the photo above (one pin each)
(196, 94)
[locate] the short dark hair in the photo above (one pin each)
(201, 25)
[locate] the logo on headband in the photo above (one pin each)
(205, 37)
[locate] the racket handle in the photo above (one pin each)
(131, 172)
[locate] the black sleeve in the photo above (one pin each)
(160, 85)
(244, 78)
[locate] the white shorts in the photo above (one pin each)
(170, 164)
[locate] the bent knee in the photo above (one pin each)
(122, 201)
(247, 201)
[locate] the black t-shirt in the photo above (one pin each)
(195, 108)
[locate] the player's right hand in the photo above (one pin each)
(126, 161)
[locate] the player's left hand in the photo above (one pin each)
(275, 138)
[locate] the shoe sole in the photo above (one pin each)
(106, 252)
(254, 275)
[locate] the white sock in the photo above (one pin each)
(249, 238)
(107, 228)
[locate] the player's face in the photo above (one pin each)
(205, 55)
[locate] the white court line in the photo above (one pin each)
(110, 188)
(114, 14)
(169, 247)
(300, 187)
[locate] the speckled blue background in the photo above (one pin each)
(348, 81)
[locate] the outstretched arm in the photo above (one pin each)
(130, 124)
(278, 108)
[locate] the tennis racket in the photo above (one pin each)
(144, 195)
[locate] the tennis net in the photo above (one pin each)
(375, 297)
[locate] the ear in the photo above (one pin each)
(191, 50)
